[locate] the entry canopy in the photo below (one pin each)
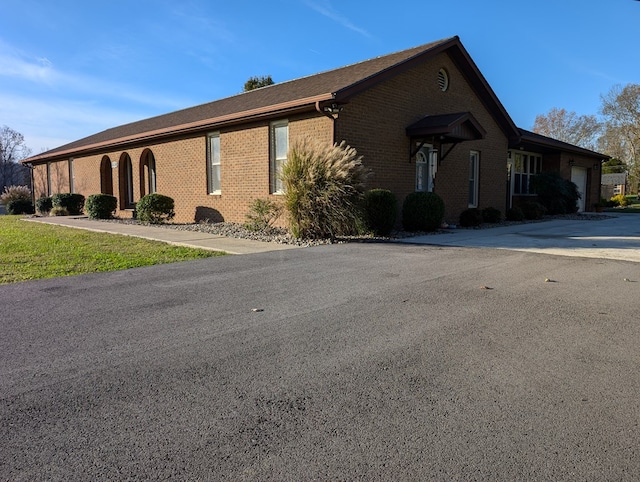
(447, 128)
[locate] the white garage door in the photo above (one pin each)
(579, 178)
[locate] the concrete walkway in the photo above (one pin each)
(614, 238)
(191, 239)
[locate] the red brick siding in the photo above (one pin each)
(374, 123)
(181, 170)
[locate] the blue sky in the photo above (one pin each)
(69, 69)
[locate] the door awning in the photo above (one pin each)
(447, 128)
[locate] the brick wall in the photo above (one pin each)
(375, 121)
(181, 170)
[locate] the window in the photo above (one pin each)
(49, 188)
(525, 166)
(106, 178)
(279, 149)
(125, 181)
(70, 175)
(426, 167)
(474, 164)
(213, 163)
(147, 173)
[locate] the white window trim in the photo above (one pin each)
(524, 172)
(275, 165)
(474, 175)
(210, 165)
(427, 159)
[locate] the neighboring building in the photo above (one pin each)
(424, 119)
(613, 184)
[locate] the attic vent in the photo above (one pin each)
(443, 80)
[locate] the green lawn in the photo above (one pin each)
(35, 251)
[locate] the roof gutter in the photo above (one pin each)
(299, 105)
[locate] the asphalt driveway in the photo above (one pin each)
(359, 361)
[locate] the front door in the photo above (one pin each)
(426, 168)
(579, 178)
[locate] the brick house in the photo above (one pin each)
(424, 119)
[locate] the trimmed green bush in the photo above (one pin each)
(533, 210)
(19, 206)
(101, 206)
(471, 217)
(556, 194)
(380, 210)
(155, 209)
(515, 214)
(44, 205)
(72, 202)
(491, 215)
(323, 188)
(422, 211)
(263, 213)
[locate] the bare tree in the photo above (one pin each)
(12, 151)
(580, 130)
(621, 137)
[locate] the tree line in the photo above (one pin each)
(615, 131)
(12, 150)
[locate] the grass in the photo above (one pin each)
(31, 251)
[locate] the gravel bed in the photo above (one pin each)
(282, 236)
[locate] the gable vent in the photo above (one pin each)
(443, 80)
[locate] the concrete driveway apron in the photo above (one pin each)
(615, 237)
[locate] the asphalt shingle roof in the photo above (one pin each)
(305, 90)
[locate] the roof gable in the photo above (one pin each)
(306, 93)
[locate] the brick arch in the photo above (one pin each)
(106, 176)
(125, 181)
(147, 172)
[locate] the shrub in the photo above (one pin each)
(44, 204)
(155, 208)
(380, 210)
(491, 215)
(19, 206)
(556, 194)
(470, 218)
(101, 206)
(533, 210)
(72, 202)
(515, 214)
(59, 211)
(263, 213)
(422, 211)
(323, 187)
(620, 200)
(11, 193)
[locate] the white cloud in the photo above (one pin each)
(47, 124)
(325, 8)
(16, 66)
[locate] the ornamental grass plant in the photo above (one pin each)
(323, 188)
